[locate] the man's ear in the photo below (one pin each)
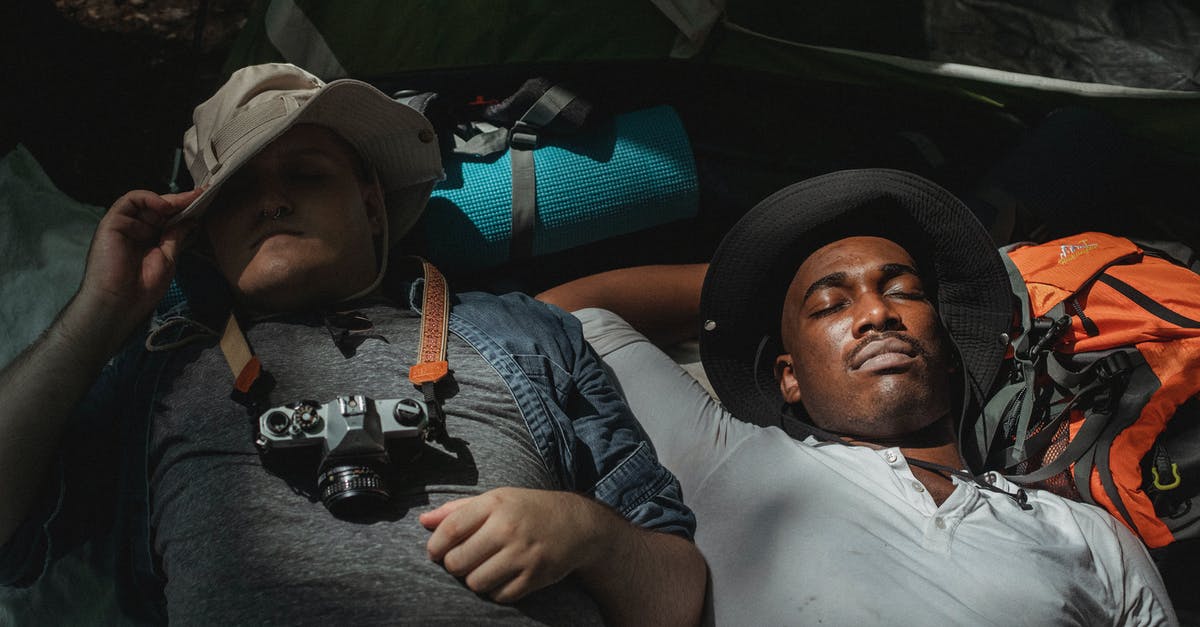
(785, 374)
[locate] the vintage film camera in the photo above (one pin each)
(354, 433)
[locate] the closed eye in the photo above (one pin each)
(829, 309)
(308, 175)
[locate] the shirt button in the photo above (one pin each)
(917, 486)
(939, 522)
(891, 457)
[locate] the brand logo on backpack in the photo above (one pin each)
(1069, 252)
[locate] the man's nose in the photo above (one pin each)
(271, 199)
(874, 312)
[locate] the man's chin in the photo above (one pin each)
(295, 290)
(893, 412)
(276, 292)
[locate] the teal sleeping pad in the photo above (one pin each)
(631, 173)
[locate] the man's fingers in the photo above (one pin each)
(516, 589)
(145, 217)
(179, 202)
(431, 519)
(150, 216)
(173, 238)
(494, 575)
(466, 556)
(134, 228)
(154, 208)
(455, 527)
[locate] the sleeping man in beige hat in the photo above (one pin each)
(292, 439)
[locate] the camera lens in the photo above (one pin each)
(351, 491)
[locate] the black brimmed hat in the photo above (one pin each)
(754, 265)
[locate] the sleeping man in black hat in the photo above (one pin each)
(849, 323)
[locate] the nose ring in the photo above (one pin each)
(278, 213)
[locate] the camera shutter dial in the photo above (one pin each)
(306, 419)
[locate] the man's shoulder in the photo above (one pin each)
(1092, 523)
(513, 305)
(519, 323)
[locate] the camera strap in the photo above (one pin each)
(431, 365)
(430, 368)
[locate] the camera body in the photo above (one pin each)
(354, 432)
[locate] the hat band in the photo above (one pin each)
(248, 123)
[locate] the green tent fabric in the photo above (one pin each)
(372, 39)
(865, 42)
(44, 238)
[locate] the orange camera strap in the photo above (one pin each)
(430, 368)
(431, 365)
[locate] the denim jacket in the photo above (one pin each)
(581, 427)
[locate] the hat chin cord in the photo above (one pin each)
(822, 435)
(383, 260)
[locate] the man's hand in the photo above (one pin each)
(510, 542)
(132, 257)
(129, 266)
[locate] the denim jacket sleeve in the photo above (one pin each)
(581, 425)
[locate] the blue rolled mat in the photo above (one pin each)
(631, 173)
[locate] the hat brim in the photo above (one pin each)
(394, 139)
(756, 260)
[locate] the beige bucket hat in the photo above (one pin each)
(260, 102)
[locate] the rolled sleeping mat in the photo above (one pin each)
(631, 173)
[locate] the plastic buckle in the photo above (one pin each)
(1113, 365)
(522, 137)
(1176, 479)
(1051, 335)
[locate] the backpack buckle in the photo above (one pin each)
(1047, 331)
(1113, 366)
(523, 137)
(1175, 478)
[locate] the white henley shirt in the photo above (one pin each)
(818, 533)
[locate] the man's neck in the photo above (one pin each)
(935, 444)
(265, 309)
(938, 433)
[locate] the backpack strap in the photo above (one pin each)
(523, 139)
(517, 125)
(1101, 375)
(999, 405)
(1012, 407)
(1137, 386)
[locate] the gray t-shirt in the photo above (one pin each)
(801, 533)
(247, 542)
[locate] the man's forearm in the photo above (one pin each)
(646, 577)
(662, 302)
(38, 391)
(509, 542)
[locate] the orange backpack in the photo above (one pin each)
(1105, 351)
